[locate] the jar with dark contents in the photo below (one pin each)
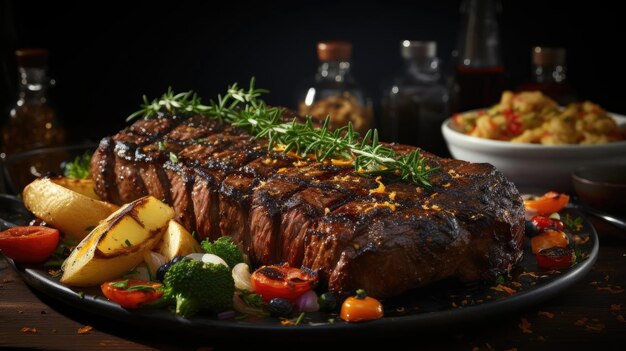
(32, 122)
(335, 92)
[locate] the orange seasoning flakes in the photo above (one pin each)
(612, 289)
(503, 288)
(28, 330)
(581, 322)
(545, 314)
(616, 307)
(381, 187)
(595, 327)
(525, 326)
(84, 330)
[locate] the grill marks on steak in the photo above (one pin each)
(284, 209)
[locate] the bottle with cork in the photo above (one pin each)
(32, 122)
(417, 101)
(549, 75)
(335, 92)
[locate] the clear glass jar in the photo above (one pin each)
(416, 101)
(479, 71)
(32, 122)
(549, 75)
(335, 92)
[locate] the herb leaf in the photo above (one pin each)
(79, 168)
(122, 284)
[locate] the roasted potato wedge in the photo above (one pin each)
(72, 212)
(118, 244)
(85, 187)
(177, 242)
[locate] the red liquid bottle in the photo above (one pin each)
(479, 72)
(549, 75)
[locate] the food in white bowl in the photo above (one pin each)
(534, 166)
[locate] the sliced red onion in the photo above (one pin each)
(307, 302)
(226, 314)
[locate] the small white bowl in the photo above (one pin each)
(533, 166)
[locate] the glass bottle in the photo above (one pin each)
(335, 92)
(32, 122)
(417, 102)
(479, 72)
(549, 75)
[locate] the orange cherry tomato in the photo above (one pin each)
(361, 308)
(547, 204)
(547, 240)
(132, 293)
(29, 244)
(282, 281)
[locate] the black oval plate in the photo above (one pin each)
(436, 306)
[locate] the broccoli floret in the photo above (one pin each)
(225, 248)
(195, 286)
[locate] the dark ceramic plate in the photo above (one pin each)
(437, 306)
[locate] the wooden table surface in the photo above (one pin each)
(586, 316)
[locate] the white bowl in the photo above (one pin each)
(533, 166)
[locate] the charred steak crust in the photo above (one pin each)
(354, 231)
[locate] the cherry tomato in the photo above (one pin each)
(546, 223)
(547, 240)
(132, 293)
(555, 258)
(361, 308)
(547, 204)
(282, 281)
(29, 244)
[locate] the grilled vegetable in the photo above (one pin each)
(282, 281)
(132, 293)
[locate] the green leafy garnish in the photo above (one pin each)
(252, 299)
(500, 279)
(141, 288)
(173, 157)
(79, 168)
(63, 250)
(127, 243)
(122, 284)
(245, 109)
(573, 224)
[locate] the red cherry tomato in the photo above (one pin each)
(547, 204)
(546, 223)
(29, 244)
(555, 258)
(132, 293)
(282, 281)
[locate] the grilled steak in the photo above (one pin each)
(356, 232)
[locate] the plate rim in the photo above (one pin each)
(43, 283)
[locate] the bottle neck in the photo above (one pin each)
(33, 85)
(423, 69)
(334, 71)
(479, 40)
(549, 73)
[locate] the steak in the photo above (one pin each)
(357, 232)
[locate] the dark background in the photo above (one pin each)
(105, 55)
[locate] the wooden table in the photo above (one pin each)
(590, 315)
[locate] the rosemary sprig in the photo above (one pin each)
(245, 109)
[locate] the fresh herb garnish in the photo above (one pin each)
(162, 145)
(90, 228)
(127, 243)
(300, 318)
(79, 168)
(141, 288)
(63, 250)
(252, 299)
(500, 279)
(173, 157)
(573, 224)
(122, 284)
(81, 294)
(244, 109)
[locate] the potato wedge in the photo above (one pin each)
(118, 244)
(71, 212)
(177, 242)
(85, 187)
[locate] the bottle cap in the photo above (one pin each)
(543, 56)
(32, 57)
(412, 49)
(334, 50)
